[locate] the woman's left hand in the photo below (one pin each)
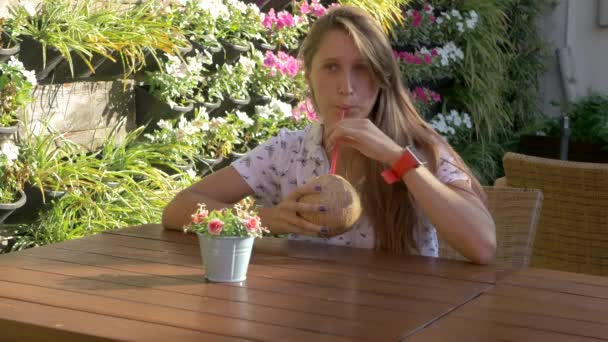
(364, 136)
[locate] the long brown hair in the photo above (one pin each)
(391, 208)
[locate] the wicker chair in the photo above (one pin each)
(515, 212)
(573, 227)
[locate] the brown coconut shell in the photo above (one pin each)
(340, 199)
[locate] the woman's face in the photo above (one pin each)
(340, 79)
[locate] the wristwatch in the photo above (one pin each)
(410, 159)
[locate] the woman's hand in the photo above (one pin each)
(364, 136)
(283, 218)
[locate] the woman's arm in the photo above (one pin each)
(456, 212)
(218, 190)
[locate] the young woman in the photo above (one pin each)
(351, 72)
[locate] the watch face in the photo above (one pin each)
(416, 154)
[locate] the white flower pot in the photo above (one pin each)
(226, 258)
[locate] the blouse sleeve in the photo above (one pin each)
(448, 172)
(259, 168)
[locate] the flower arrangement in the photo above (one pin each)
(425, 64)
(241, 221)
(284, 30)
(232, 80)
(430, 26)
(243, 25)
(16, 84)
(178, 83)
(425, 100)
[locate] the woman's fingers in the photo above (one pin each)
(300, 207)
(301, 226)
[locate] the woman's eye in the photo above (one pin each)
(331, 67)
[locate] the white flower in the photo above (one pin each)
(430, 9)
(216, 122)
(247, 63)
(472, 21)
(247, 121)
(185, 126)
(439, 20)
(164, 124)
(456, 14)
(15, 63)
(10, 150)
(30, 76)
(191, 173)
(263, 112)
(460, 27)
(280, 108)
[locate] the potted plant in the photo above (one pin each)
(588, 141)
(12, 178)
(240, 30)
(232, 81)
(171, 91)
(16, 84)
(226, 239)
(9, 46)
(283, 30)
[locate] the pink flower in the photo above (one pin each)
(428, 59)
(270, 60)
(304, 108)
(417, 18)
(200, 216)
(434, 53)
(269, 19)
(284, 19)
(317, 9)
(432, 18)
(252, 224)
(215, 226)
(305, 8)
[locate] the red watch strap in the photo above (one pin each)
(405, 163)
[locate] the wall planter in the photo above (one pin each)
(149, 108)
(152, 63)
(7, 133)
(33, 59)
(233, 51)
(256, 100)
(548, 147)
(265, 46)
(289, 98)
(6, 209)
(62, 72)
(212, 107)
(8, 49)
(207, 165)
(231, 103)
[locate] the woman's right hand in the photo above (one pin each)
(284, 218)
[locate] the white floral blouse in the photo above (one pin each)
(275, 168)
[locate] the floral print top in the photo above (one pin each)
(275, 168)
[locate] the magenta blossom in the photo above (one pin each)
(425, 95)
(285, 19)
(268, 19)
(304, 109)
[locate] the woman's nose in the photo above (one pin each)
(346, 84)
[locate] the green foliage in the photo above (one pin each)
(589, 119)
(388, 13)
(16, 86)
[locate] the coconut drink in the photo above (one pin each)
(342, 203)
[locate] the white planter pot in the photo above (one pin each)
(226, 259)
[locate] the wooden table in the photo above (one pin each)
(144, 283)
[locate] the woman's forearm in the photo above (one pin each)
(460, 219)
